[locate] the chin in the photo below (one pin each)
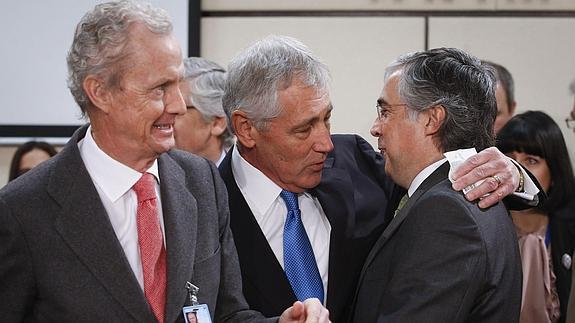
(312, 182)
(163, 147)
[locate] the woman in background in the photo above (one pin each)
(546, 233)
(28, 156)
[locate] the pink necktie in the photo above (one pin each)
(151, 243)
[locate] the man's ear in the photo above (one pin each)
(97, 92)
(434, 118)
(244, 129)
(219, 125)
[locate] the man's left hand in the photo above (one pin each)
(310, 311)
(500, 176)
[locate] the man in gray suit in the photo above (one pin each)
(442, 258)
(115, 226)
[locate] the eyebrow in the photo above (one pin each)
(314, 119)
(381, 101)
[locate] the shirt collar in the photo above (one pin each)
(222, 156)
(113, 177)
(421, 176)
(261, 191)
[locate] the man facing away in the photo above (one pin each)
(279, 107)
(115, 227)
(442, 258)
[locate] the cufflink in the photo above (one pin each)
(566, 261)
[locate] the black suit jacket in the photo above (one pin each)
(562, 226)
(354, 196)
(60, 260)
(442, 259)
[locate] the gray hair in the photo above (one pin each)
(206, 81)
(270, 65)
(457, 81)
(100, 41)
(504, 77)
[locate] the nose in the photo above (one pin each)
(175, 103)
(376, 128)
(323, 143)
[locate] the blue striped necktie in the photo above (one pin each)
(299, 260)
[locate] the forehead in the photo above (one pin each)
(299, 99)
(390, 90)
(153, 53)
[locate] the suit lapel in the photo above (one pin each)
(258, 262)
(84, 225)
(437, 176)
(180, 216)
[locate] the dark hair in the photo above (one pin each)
(24, 149)
(457, 81)
(506, 80)
(535, 133)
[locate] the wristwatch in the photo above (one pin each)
(521, 186)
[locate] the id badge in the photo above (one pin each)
(197, 314)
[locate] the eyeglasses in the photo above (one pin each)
(570, 122)
(382, 108)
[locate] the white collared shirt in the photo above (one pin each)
(222, 156)
(270, 211)
(113, 181)
(421, 176)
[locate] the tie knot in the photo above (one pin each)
(145, 187)
(290, 199)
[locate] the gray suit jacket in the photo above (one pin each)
(442, 259)
(61, 260)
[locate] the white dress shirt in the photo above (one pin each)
(113, 181)
(222, 156)
(270, 211)
(421, 176)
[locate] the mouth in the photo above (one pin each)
(318, 166)
(163, 126)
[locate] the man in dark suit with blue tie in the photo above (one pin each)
(442, 258)
(286, 162)
(114, 227)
